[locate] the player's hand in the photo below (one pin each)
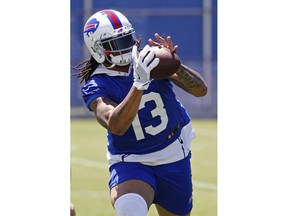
(162, 42)
(142, 66)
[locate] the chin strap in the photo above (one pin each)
(113, 65)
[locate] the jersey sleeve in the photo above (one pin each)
(92, 90)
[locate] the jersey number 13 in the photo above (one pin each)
(158, 111)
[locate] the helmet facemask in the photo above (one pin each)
(117, 48)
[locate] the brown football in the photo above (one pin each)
(168, 65)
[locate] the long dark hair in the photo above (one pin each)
(85, 68)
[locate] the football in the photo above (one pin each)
(169, 63)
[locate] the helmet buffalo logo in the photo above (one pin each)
(91, 26)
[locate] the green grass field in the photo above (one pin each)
(89, 170)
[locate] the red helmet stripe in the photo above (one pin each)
(115, 21)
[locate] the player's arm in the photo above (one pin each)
(117, 117)
(185, 78)
(190, 81)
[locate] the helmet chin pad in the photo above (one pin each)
(121, 59)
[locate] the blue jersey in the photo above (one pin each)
(158, 122)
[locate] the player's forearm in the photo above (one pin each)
(190, 81)
(123, 115)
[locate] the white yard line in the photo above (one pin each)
(205, 185)
(89, 163)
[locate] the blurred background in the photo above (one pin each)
(192, 24)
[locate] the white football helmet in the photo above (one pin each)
(109, 35)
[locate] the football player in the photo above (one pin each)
(149, 132)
